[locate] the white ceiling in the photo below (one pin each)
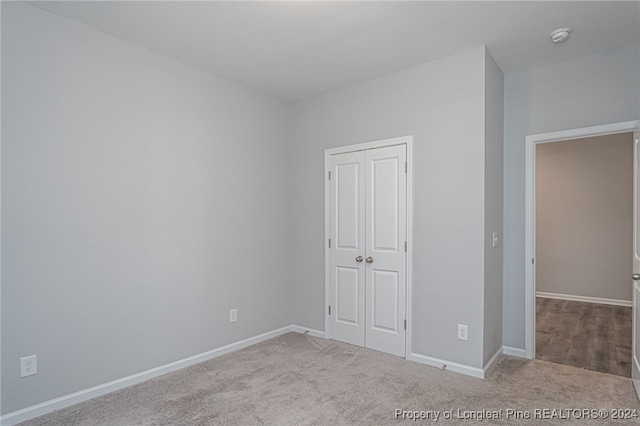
(295, 50)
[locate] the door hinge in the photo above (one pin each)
(405, 167)
(329, 174)
(329, 309)
(405, 324)
(405, 246)
(532, 261)
(329, 242)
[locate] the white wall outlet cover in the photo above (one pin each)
(463, 332)
(28, 366)
(233, 315)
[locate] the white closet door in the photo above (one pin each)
(385, 236)
(347, 244)
(368, 258)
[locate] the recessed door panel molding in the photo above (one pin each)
(347, 215)
(385, 199)
(367, 288)
(384, 301)
(347, 296)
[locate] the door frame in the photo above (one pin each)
(635, 364)
(403, 140)
(530, 214)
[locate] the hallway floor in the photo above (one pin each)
(586, 335)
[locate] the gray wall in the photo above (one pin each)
(442, 105)
(493, 174)
(141, 200)
(589, 91)
(135, 188)
(584, 217)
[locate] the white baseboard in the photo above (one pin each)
(588, 299)
(461, 368)
(309, 331)
(37, 410)
(447, 365)
(517, 352)
(492, 362)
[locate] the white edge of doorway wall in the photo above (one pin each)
(403, 140)
(530, 215)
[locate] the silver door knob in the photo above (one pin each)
(636, 277)
(359, 259)
(369, 259)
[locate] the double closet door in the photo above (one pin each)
(368, 248)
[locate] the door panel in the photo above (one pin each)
(347, 233)
(348, 208)
(386, 233)
(347, 295)
(385, 300)
(635, 369)
(384, 204)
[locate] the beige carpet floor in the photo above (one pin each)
(300, 380)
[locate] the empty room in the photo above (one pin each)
(303, 212)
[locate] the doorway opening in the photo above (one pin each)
(578, 299)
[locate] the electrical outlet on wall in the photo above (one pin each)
(463, 332)
(28, 366)
(233, 315)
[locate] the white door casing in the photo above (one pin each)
(635, 369)
(367, 204)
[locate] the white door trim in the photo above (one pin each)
(635, 365)
(530, 214)
(404, 140)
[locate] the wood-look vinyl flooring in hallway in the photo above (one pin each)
(586, 335)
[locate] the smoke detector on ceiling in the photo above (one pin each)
(560, 35)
